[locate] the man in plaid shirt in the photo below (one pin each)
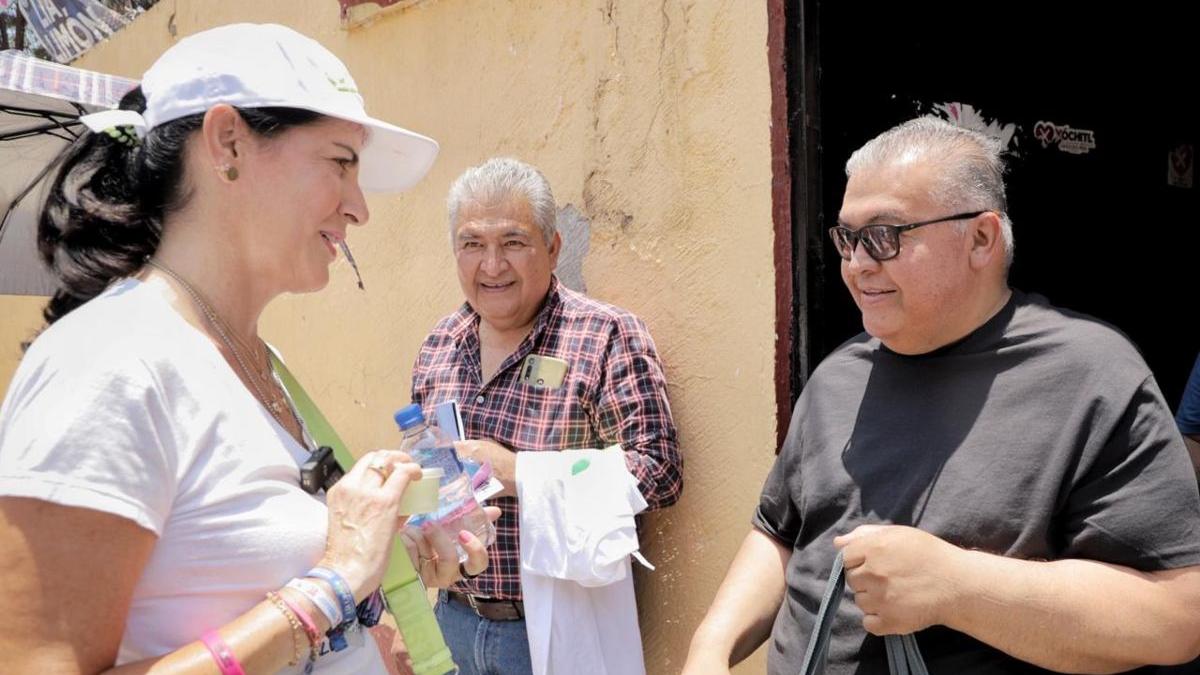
(502, 227)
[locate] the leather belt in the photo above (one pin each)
(492, 609)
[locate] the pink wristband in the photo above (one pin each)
(310, 626)
(226, 662)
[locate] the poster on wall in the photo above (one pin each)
(1064, 137)
(1180, 166)
(969, 117)
(1014, 136)
(68, 28)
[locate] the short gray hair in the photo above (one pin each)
(972, 170)
(501, 180)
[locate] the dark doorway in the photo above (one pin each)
(1102, 224)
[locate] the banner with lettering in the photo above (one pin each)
(68, 28)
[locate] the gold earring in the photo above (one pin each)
(230, 172)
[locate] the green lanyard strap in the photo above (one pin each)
(407, 600)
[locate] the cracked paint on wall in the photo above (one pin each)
(576, 232)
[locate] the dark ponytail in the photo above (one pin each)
(104, 212)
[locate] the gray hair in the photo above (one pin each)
(972, 174)
(502, 180)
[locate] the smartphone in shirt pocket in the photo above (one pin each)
(543, 372)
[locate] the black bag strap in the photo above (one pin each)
(904, 657)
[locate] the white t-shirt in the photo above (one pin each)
(577, 533)
(124, 407)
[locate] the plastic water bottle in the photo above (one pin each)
(457, 509)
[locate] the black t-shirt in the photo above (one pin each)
(1041, 435)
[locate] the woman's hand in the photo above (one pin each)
(364, 516)
(435, 557)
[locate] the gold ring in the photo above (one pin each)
(421, 560)
(383, 468)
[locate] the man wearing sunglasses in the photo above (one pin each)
(1002, 477)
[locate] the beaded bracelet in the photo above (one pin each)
(297, 629)
(310, 629)
(222, 655)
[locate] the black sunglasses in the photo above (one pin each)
(882, 242)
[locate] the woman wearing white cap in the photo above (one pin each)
(151, 516)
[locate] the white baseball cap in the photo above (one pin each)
(267, 65)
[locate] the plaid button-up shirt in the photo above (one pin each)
(614, 392)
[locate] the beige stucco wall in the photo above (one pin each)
(20, 318)
(653, 119)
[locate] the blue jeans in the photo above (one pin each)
(481, 646)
